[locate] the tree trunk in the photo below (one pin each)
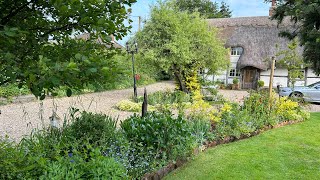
(179, 78)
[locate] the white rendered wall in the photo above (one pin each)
(280, 77)
(312, 77)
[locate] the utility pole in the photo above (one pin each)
(139, 23)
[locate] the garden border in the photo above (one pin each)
(157, 175)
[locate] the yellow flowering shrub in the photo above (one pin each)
(201, 109)
(192, 82)
(287, 109)
(127, 105)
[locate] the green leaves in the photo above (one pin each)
(181, 40)
(305, 16)
(42, 49)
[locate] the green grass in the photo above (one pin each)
(290, 152)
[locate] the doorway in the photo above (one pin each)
(249, 78)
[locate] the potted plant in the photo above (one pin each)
(235, 85)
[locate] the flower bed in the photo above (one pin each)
(92, 146)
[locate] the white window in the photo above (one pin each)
(234, 73)
(236, 51)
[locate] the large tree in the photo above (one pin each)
(181, 43)
(39, 48)
(306, 15)
(206, 8)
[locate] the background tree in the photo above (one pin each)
(306, 15)
(291, 60)
(181, 43)
(206, 8)
(38, 48)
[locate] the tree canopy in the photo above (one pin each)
(306, 15)
(206, 8)
(181, 43)
(38, 47)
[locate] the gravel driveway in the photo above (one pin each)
(19, 119)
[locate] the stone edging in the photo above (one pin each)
(172, 166)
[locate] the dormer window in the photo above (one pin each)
(236, 51)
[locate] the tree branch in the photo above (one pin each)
(13, 13)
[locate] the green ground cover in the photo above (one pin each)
(291, 152)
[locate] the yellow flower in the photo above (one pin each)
(226, 107)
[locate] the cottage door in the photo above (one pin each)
(249, 78)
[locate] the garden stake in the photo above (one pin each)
(145, 103)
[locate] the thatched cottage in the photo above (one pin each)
(252, 42)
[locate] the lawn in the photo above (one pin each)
(290, 152)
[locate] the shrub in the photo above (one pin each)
(287, 109)
(76, 167)
(96, 128)
(127, 105)
(235, 81)
(11, 90)
(166, 97)
(12, 162)
(260, 83)
(160, 133)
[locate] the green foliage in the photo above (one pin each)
(11, 90)
(305, 15)
(96, 128)
(180, 43)
(73, 167)
(127, 105)
(12, 164)
(171, 137)
(167, 97)
(37, 48)
(206, 8)
(260, 83)
(235, 81)
(291, 60)
(256, 113)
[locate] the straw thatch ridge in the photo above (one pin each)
(258, 36)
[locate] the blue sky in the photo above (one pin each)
(240, 8)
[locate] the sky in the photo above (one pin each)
(239, 8)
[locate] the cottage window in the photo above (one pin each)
(236, 51)
(234, 73)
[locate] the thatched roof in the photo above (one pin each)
(258, 36)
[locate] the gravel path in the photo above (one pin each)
(234, 95)
(19, 119)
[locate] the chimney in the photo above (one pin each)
(272, 8)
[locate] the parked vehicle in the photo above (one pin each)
(309, 93)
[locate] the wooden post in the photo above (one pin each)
(271, 80)
(145, 103)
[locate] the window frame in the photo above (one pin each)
(235, 72)
(236, 51)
